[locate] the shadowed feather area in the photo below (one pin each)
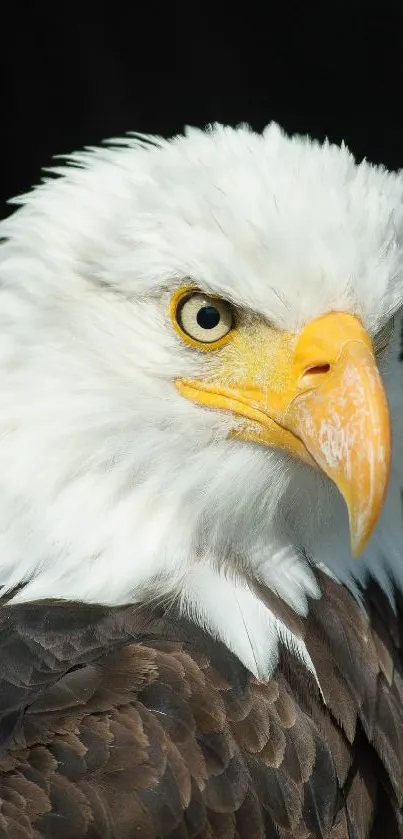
(128, 722)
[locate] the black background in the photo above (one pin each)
(325, 68)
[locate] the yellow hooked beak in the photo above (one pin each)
(319, 396)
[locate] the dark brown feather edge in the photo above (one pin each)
(131, 722)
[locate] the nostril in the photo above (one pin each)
(317, 370)
(312, 375)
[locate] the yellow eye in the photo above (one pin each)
(201, 320)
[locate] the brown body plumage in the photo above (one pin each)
(124, 723)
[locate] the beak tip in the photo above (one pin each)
(360, 535)
(357, 548)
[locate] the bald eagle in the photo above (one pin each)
(200, 384)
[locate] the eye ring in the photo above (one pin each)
(204, 321)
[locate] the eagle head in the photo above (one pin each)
(199, 377)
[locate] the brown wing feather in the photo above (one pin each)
(121, 723)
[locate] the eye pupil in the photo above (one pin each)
(208, 317)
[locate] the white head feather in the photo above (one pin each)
(112, 486)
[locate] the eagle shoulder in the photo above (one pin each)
(131, 722)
